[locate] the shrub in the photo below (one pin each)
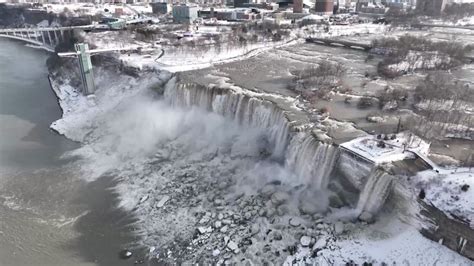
(324, 110)
(365, 102)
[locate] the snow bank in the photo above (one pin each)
(396, 243)
(176, 60)
(444, 190)
(80, 112)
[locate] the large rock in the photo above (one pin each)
(338, 228)
(125, 254)
(390, 106)
(233, 246)
(203, 230)
(335, 201)
(295, 221)
(307, 207)
(375, 119)
(254, 229)
(162, 201)
(283, 209)
(320, 244)
(279, 197)
(367, 217)
(305, 241)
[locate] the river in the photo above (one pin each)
(48, 216)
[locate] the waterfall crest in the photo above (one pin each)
(375, 192)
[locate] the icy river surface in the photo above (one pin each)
(48, 215)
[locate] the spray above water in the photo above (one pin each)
(198, 150)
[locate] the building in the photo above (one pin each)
(161, 8)
(297, 6)
(430, 7)
(185, 13)
(324, 7)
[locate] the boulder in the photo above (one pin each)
(375, 119)
(162, 201)
(233, 246)
(390, 106)
(283, 209)
(321, 243)
(125, 254)
(338, 228)
(307, 207)
(254, 229)
(305, 241)
(203, 230)
(279, 197)
(295, 222)
(335, 201)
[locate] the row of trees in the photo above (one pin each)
(406, 43)
(442, 108)
(397, 50)
(459, 10)
(317, 81)
(440, 87)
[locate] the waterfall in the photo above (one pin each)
(311, 160)
(354, 169)
(375, 192)
(243, 109)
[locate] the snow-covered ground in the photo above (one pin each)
(445, 190)
(176, 59)
(389, 241)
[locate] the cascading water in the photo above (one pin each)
(375, 192)
(241, 108)
(311, 160)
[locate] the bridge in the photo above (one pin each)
(335, 42)
(47, 37)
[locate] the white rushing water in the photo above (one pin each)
(375, 192)
(312, 161)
